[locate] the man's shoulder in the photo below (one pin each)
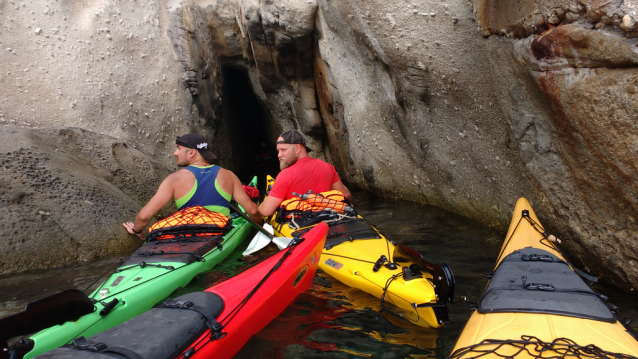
(180, 175)
(318, 162)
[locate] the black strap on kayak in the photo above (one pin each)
(81, 343)
(533, 347)
(548, 287)
(144, 265)
(337, 233)
(547, 258)
(229, 317)
(197, 256)
(211, 322)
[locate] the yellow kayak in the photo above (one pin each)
(537, 306)
(359, 256)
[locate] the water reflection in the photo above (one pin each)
(332, 320)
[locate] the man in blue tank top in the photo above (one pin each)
(199, 183)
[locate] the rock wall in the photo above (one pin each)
(63, 193)
(463, 105)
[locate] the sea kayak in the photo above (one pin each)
(537, 306)
(149, 275)
(358, 255)
(215, 323)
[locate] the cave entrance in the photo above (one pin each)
(249, 129)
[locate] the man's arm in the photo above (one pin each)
(269, 206)
(339, 186)
(240, 196)
(163, 195)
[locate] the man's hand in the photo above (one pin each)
(129, 228)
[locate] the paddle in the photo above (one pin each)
(56, 309)
(261, 239)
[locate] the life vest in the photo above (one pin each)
(188, 222)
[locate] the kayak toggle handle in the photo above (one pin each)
(379, 263)
(108, 307)
(383, 261)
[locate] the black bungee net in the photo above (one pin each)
(531, 346)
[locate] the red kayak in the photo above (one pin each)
(275, 294)
(215, 323)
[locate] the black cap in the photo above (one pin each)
(198, 142)
(294, 137)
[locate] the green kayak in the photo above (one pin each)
(151, 274)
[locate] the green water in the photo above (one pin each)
(331, 320)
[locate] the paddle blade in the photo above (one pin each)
(65, 306)
(282, 242)
(260, 240)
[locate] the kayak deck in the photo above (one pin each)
(536, 306)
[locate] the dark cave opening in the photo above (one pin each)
(250, 133)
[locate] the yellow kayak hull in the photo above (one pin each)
(482, 327)
(352, 263)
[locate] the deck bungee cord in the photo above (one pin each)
(558, 348)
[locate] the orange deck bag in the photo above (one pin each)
(188, 222)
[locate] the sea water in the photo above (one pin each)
(331, 320)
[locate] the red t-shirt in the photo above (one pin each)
(307, 174)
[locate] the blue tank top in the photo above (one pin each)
(206, 191)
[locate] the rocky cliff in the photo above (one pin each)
(463, 105)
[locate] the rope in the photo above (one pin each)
(354, 259)
(536, 348)
(543, 232)
(385, 289)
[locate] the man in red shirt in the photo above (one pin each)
(299, 173)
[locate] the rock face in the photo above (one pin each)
(463, 105)
(105, 66)
(467, 107)
(61, 192)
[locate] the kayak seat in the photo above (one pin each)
(185, 252)
(535, 281)
(161, 333)
(344, 231)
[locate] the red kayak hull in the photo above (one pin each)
(293, 277)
